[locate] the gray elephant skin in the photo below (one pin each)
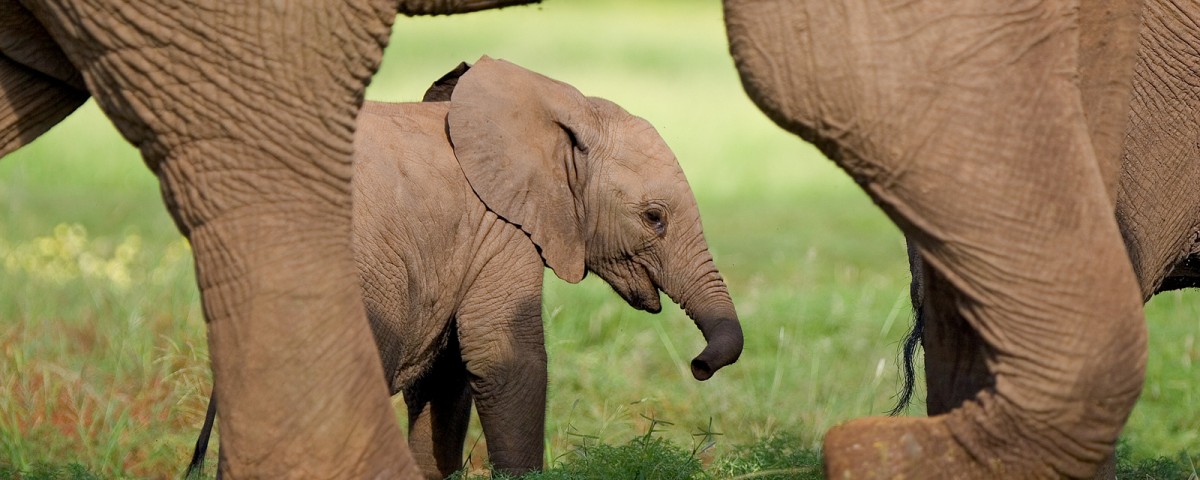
(515, 171)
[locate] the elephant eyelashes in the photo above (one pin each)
(654, 219)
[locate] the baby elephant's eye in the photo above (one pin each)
(654, 219)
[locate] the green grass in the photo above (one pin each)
(103, 362)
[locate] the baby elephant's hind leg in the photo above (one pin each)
(439, 411)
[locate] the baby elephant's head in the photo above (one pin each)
(596, 189)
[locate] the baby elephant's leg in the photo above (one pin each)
(439, 411)
(500, 330)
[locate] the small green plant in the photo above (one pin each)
(645, 457)
(1183, 466)
(48, 471)
(651, 457)
(778, 457)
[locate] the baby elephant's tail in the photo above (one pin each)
(196, 468)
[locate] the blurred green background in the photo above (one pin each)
(104, 360)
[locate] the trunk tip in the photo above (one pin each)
(724, 347)
(701, 370)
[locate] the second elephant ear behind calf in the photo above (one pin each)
(596, 189)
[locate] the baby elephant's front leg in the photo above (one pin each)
(500, 332)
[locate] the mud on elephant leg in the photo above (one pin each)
(1063, 331)
(439, 412)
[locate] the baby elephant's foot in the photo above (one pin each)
(899, 447)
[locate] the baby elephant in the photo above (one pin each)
(459, 204)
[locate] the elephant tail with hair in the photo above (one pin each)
(913, 340)
(196, 468)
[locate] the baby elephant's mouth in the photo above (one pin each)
(652, 304)
(636, 287)
(647, 296)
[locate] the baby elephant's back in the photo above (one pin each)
(404, 160)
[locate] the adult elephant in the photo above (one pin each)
(245, 111)
(1157, 208)
(990, 133)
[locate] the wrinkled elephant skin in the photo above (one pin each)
(255, 165)
(969, 124)
(1157, 208)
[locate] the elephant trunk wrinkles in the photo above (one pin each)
(706, 301)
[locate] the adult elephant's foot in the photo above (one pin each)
(899, 447)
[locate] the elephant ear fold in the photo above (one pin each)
(521, 139)
(442, 88)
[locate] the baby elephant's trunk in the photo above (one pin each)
(694, 283)
(719, 324)
(706, 300)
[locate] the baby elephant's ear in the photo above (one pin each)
(442, 88)
(521, 139)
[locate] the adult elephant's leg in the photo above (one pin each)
(955, 356)
(956, 367)
(955, 364)
(964, 121)
(246, 112)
